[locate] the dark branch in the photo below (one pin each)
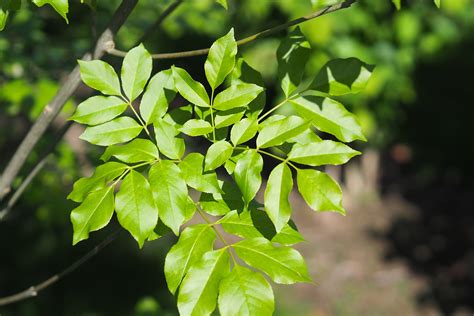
(33, 291)
(276, 29)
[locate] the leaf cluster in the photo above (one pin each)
(148, 173)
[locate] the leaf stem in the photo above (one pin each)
(212, 118)
(277, 157)
(142, 123)
(218, 233)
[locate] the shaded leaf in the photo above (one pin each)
(192, 169)
(342, 76)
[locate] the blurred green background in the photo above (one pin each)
(415, 217)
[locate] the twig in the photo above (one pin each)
(170, 9)
(198, 52)
(39, 166)
(33, 291)
(65, 92)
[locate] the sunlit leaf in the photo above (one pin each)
(217, 155)
(158, 95)
(243, 131)
(98, 110)
(247, 174)
(119, 130)
(280, 131)
(196, 127)
(190, 89)
(221, 59)
(136, 70)
(100, 76)
(137, 150)
(277, 204)
(192, 169)
(169, 145)
(237, 96)
(326, 152)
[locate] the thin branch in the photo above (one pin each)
(34, 172)
(65, 92)
(198, 52)
(167, 12)
(33, 291)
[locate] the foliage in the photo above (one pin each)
(153, 175)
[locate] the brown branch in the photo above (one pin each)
(199, 52)
(33, 291)
(65, 92)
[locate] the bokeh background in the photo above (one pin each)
(406, 246)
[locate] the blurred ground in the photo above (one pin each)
(347, 256)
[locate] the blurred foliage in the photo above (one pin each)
(38, 49)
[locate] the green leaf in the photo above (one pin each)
(136, 210)
(99, 109)
(193, 243)
(245, 292)
(280, 131)
(237, 96)
(221, 59)
(120, 130)
(438, 3)
(243, 131)
(243, 73)
(240, 224)
(103, 174)
(61, 6)
(329, 116)
(158, 95)
(217, 155)
(283, 265)
(247, 174)
(343, 76)
(3, 18)
(191, 167)
(326, 152)
(289, 235)
(277, 204)
(169, 145)
(227, 118)
(198, 292)
(190, 89)
(136, 70)
(292, 56)
(100, 76)
(196, 127)
(320, 191)
(171, 194)
(138, 150)
(210, 205)
(93, 214)
(223, 3)
(397, 4)
(180, 115)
